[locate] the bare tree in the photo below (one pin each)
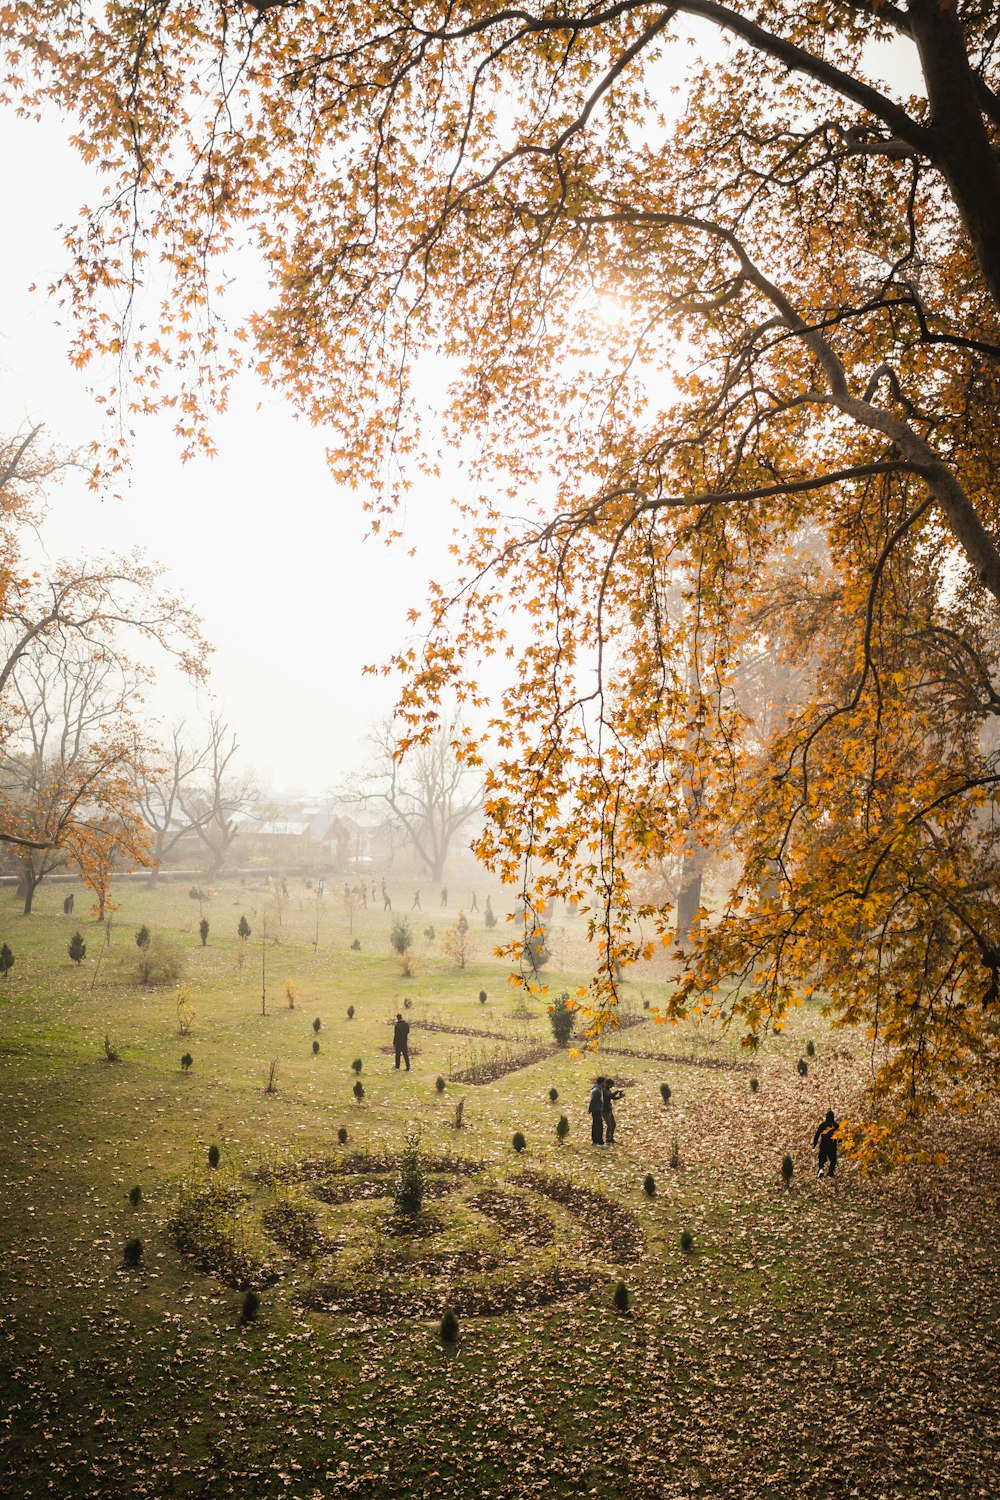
(67, 771)
(430, 790)
(212, 801)
(161, 790)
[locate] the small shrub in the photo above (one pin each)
(649, 1185)
(290, 993)
(482, 997)
(271, 1087)
(342, 1135)
(110, 1053)
(6, 960)
(142, 937)
(459, 1112)
(359, 1091)
(244, 929)
(408, 1189)
(316, 1025)
(802, 1067)
(77, 949)
(185, 1012)
(356, 946)
(645, 1005)
(687, 1241)
(186, 1062)
(203, 931)
(250, 1308)
(553, 1095)
(448, 1332)
(675, 1153)
(787, 1169)
(132, 1254)
(562, 1129)
(665, 1092)
(429, 934)
(213, 1156)
(621, 1298)
(357, 1065)
(518, 1141)
(754, 1085)
(439, 1084)
(160, 962)
(350, 1012)
(315, 1047)
(810, 1048)
(563, 1018)
(407, 1003)
(135, 1195)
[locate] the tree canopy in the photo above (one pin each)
(706, 296)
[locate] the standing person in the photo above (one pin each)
(400, 1034)
(608, 1095)
(475, 904)
(825, 1139)
(386, 903)
(596, 1110)
(444, 895)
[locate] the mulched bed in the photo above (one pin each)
(471, 1301)
(297, 1229)
(515, 1215)
(410, 1226)
(491, 1068)
(613, 1232)
(720, 1064)
(493, 1036)
(358, 1163)
(359, 1192)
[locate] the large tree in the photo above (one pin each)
(678, 305)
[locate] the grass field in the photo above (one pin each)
(834, 1339)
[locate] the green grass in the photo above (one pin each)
(815, 1342)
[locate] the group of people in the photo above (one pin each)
(602, 1111)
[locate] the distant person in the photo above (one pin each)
(444, 895)
(68, 906)
(608, 1096)
(386, 903)
(595, 1109)
(489, 919)
(400, 1043)
(473, 904)
(825, 1139)
(364, 894)
(416, 902)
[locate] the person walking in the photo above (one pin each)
(386, 903)
(400, 1040)
(826, 1139)
(608, 1096)
(596, 1111)
(416, 902)
(475, 904)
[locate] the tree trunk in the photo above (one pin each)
(29, 885)
(689, 894)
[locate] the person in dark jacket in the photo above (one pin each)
(596, 1111)
(608, 1096)
(400, 1035)
(826, 1139)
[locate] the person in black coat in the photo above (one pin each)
(596, 1111)
(826, 1139)
(608, 1095)
(400, 1042)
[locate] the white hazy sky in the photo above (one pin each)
(294, 598)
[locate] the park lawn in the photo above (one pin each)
(827, 1340)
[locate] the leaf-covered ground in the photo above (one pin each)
(834, 1339)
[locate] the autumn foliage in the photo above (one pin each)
(714, 332)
